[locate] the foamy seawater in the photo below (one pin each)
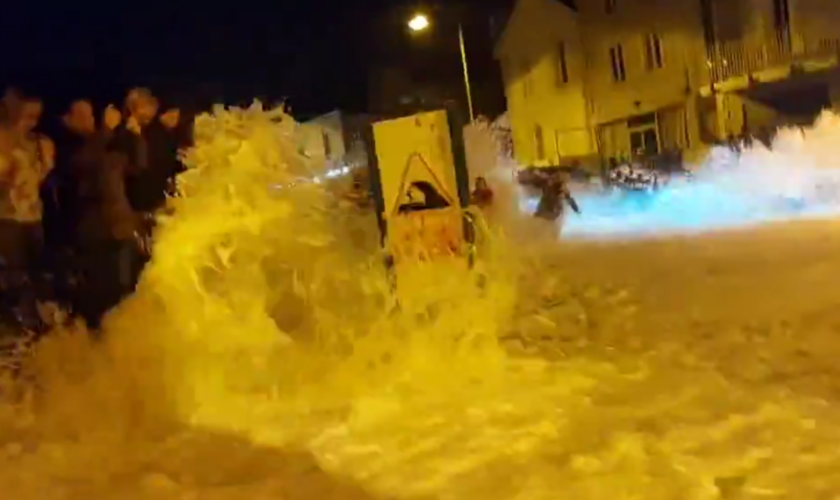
(263, 356)
(798, 178)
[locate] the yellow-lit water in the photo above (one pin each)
(263, 356)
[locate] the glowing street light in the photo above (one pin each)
(420, 23)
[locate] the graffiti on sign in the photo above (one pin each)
(426, 235)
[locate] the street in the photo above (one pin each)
(700, 367)
(681, 369)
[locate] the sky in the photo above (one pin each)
(317, 53)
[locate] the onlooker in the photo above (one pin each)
(24, 163)
(482, 195)
(133, 140)
(107, 225)
(166, 139)
(60, 196)
(61, 191)
(89, 195)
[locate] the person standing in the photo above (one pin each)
(555, 196)
(166, 137)
(134, 141)
(25, 161)
(60, 193)
(107, 224)
(482, 195)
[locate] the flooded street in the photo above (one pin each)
(262, 356)
(672, 369)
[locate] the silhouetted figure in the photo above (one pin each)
(107, 224)
(482, 195)
(555, 196)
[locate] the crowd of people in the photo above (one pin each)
(75, 208)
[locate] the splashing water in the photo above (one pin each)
(266, 316)
(798, 178)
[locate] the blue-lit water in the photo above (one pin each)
(798, 178)
(684, 210)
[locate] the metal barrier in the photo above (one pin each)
(744, 57)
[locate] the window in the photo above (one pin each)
(526, 79)
(539, 142)
(617, 60)
(327, 145)
(609, 6)
(644, 137)
(561, 68)
(653, 52)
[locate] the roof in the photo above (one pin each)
(570, 4)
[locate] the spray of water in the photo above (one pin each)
(266, 314)
(264, 297)
(797, 178)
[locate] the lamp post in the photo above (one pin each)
(420, 23)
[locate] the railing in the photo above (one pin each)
(745, 57)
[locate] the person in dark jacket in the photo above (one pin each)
(134, 140)
(107, 226)
(60, 197)
(167, 138)
(555, 196)
(138, 141)
(78, 124)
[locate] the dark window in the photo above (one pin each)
(562, 68)
(327, 145)
(644, 142)
(642, 121)
(617, 60)
(526, 78)
(653, 52)
(708, 17)
(781, 11)
(539, 142)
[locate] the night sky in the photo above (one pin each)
(318, 53)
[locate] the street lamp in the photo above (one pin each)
(420, 23)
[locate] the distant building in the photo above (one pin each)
(615, 77)
(543, 67)
(335, 138)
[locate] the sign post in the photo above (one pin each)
(420, 184)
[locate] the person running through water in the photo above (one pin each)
(555, 196)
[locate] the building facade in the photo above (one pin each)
(611, 78)
(334, 140)
(544, 69)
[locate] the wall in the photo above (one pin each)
(331, 138)
(732, 109)
(730, 19)
(815, 20)
(761, 20)
(834, 93)
(678, 23)
(528, 52)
